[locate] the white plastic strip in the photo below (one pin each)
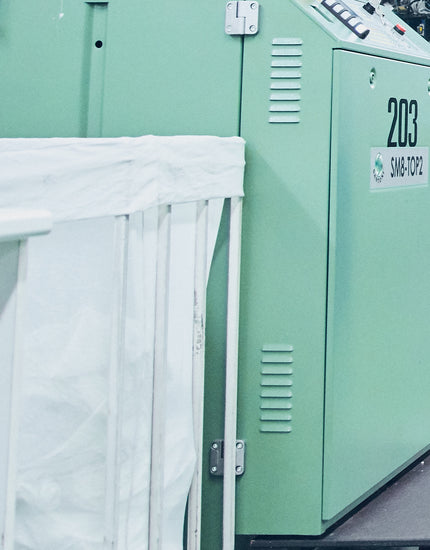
(159, 380)
(116, 370)
(200, 274)
(9, 531)
(229, 483)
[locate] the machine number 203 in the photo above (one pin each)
(401, 163)
(404, 124)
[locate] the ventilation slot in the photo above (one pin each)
(285, 80)
(276, 388)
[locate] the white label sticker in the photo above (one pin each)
(398, 166)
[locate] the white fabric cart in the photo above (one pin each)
(114, 323)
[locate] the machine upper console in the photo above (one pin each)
(375, 25)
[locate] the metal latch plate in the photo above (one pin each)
(216, 460)
(241, 18)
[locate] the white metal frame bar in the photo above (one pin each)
(200, 277)
(116, 371)
(160, 379)
(9, 531)
(229, 482)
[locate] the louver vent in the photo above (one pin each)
(276, 388)
(285, 80)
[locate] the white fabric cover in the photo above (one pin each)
(78, 178)
(65, 490)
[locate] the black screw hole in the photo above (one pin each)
(99, 44)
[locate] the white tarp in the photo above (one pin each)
(83, 479)
(85, 178)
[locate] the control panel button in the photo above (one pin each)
(337, 8)
(369, 8)
(360, 28)
(347, 17)
(401, 30)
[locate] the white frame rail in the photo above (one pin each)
(16, 227)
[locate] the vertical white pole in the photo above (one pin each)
(149, 281)
(9, 532)
(116, 370)
(200, 268)
(229, 483)
(160, 380)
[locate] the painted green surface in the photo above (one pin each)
(43, 68)
(174, 65)
(284, 263)
(161, 68)
(378, 366)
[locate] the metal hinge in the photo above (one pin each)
(216, 460)
(241, 18)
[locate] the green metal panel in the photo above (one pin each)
(75, 68)
(170, 69)
(378, 366)
(283, 298)
(43, 68)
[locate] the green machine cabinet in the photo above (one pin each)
(334, 363)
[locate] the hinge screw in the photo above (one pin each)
(239, 469)
(253, 6)
(214, 445)
(213, 469)
(239, 445)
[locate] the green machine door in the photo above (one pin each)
(378, 362)
(170, 69)
(286, 123)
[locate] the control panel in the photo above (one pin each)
(347, 16)
(374, 24)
